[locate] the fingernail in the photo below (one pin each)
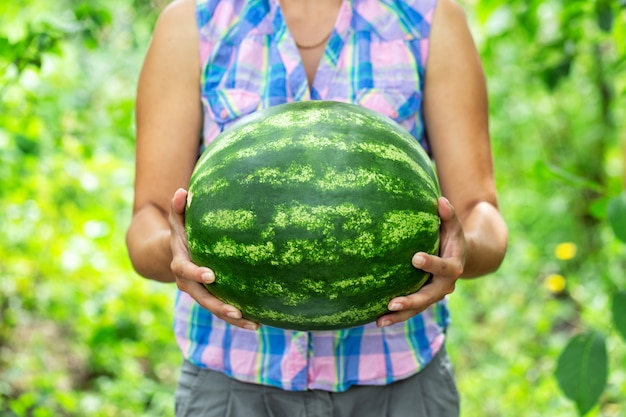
(419, 261)
(233, 315)
(384, 323)
(395, 307)
(250, 326)
(208, 278)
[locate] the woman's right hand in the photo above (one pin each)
(191, 278)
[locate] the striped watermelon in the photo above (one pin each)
(309, 213)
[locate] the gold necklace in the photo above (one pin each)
(315, 45)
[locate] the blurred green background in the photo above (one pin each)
(82, 335)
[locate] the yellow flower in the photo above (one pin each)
(555, 283)
(565, 251)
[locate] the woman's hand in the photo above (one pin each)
(191, 278)
(445, 269)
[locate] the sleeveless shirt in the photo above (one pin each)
(375, 57)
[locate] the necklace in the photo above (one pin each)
(315, 45)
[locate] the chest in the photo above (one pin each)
(310, 61)
(310, 25)
(366, 60)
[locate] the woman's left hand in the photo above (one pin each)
(445, 269)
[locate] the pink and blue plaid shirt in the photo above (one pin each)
(375, 57)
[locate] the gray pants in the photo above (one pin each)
(430, 393)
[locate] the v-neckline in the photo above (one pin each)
(291, 57)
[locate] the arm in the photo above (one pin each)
(473, 233)
(169, 127)
(456, 114)
(168, 117)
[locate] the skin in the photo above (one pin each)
(309, 23)
(473, 234)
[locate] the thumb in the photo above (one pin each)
(179, 201)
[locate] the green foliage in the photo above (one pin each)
(616, 214)
(618, 308)
(582, 369)
(558, 90)
(81, 334)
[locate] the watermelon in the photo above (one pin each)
(309, 214)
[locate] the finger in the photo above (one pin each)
(446, 210)
(403, 308)
(185, 269)
(451, 226)
(181, 264)
(226, 312)
(177, 209)
(448, 266)
(179, 200)
(396, 317)
(429, 294)
(177, 223)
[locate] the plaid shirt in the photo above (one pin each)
(375, 57)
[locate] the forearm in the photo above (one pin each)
(486, 236)
(148, 242)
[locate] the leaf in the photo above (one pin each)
(618, 309)
(582, 370)
(616, 214)
(604, 15)
(555, 74)
(597, 208)
(573, 178)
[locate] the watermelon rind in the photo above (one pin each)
(309, 213)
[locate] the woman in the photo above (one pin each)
(211, 62)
